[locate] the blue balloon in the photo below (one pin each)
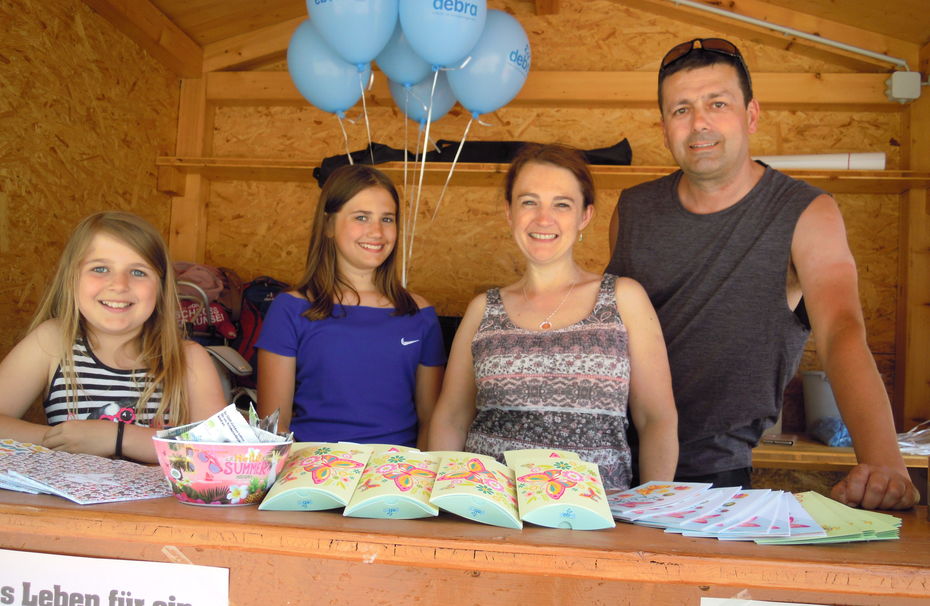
(356, 29)
(443, 31)
(324, 78)
(498, 67)
(414, 100)
(399, 62)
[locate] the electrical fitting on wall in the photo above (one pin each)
(903, 86)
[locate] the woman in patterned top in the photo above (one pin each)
(553, 360)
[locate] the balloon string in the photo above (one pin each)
(406, 223)
(410, 205)
(361, 85)
(429, 117)
(345, 138)
(416, 208)
(452, 168)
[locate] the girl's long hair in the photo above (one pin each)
(321, 283)
(160, 341)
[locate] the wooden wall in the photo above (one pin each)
(85, 112)
(263, 227)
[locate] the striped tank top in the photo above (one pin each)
(103, 392)
(565, 388)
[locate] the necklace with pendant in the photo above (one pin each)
(546, 324)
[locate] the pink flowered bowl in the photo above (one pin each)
(210, 473)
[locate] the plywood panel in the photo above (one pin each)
(813, 132)
(607, 35)
(468, 248)
(468, 218)
(260, 228)
(908, 20)
(86, 112)
(208, 21)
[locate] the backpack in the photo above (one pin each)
(257, 296)
(209, 302)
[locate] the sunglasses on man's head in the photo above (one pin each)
(711, 45)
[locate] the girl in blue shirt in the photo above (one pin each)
(349, 354)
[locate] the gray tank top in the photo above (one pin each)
(717, 282)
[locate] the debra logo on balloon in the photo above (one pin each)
(454, 6)
(521, 60)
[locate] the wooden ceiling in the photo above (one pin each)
(196, 36)
(907, 20)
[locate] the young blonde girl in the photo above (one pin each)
(105, 346)
(349, 354)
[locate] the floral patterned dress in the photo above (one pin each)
(565, 388)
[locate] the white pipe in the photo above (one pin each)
(853, 161)
(795, 32)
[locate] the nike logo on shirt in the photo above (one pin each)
(405, 342)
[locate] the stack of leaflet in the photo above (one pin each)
(82, 478)
(769, 517)
(10, 481)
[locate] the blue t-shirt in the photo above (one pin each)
(356, 371)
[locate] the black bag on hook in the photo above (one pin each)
(381, 153)
(490, 152)
(619, 154)
(502, 152)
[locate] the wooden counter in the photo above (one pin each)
(324, 558)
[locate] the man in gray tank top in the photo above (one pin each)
(732, 253)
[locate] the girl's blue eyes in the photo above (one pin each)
(136, 273)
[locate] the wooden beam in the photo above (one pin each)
(171, 181)
(473, 174)
(810, 24)
(923, 61)
(156, 33)
(188, 224)
(589, 89)
(912, 337)
(262, 45)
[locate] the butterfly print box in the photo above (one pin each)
(209, 473)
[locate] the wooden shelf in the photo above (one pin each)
(172, 169)
(809, 454)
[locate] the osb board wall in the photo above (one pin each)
(85, 112)
(262, 228)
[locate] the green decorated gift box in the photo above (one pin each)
(395, 485)
(317, 476)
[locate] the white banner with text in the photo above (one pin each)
(42, 579)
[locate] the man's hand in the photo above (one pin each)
(96, 437)
(874, 487)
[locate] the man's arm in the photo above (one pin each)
(829, 283)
